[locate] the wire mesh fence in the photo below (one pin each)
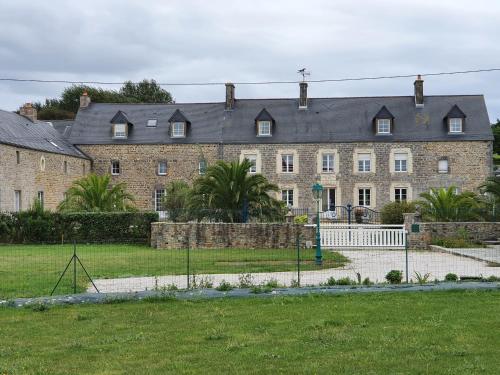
(34, 270)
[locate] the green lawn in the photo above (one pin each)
(33, 270)
(406, 333)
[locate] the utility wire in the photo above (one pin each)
(257, 82)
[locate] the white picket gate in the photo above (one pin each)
(362, 236)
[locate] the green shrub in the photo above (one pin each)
(224, 286)
(451, 277)
(331, 281)
(455, 243)
(345, 281)
(38, 226)
(301, 219)
(392, 213)
(492, 279)
(367, 282)
(394, 277)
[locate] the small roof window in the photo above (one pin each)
(152, 123)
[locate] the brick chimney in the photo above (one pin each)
(229, 96)
(28, 111)
(303, 95)
(84, 100)
(419, 91)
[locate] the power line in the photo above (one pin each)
(257, 82)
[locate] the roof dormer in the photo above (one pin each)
(264, 124)
(383, 122)
(454, 120)
(179, 125)
(120, 125)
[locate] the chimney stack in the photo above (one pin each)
(419, 91)
(229, 96)
(28, 111)
(303, 95)
(84, 100)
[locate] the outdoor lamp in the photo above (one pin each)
(317, 190)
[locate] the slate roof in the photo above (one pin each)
(456, 112)
(18, 131)
(384, 113)
(62, 126)
(326, 120)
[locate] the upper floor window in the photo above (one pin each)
(383, 126)
(401, 162)
(264, 128)
(84, 169)
(178, 129)
(455, 125)
(364, 163)
(162, 168)
(328, 165)
(42, 163)
(115, 167)
(65, 167)
(287, 163)
(443, 166)
(18, 157)
(151, 123)
(252, 158)
(120, 131)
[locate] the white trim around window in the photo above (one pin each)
(321, 155)
(395, 152)
(373, 194)
(162, 168)
(359, 154)
(295, 193)
(264, 128)
(401, 185)
(455, 125)
(178, 130)
(258, 160)
(120, 131)
(279, 161)
(383, 126)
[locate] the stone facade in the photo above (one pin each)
(234, 235)
(469, 165)
(30, 172)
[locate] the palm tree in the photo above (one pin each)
(492, 186)
(446, 205)
(227, 191)
(491, 201)
(94, 194)
(176, 201)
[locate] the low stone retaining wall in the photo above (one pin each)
(476, 231)
(237, 235)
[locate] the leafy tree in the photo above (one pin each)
(146, 91)
(176, 201)
(496, 134)
(95, 194)
(446, 205)
(227, 190)
(392, 213)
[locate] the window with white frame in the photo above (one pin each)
(364, 197)
(159, 196)
(178, 129)
(40, 197)
(287, 197)
(383, 126)
(264, 128)
(151, 123)
(443, 166)
(287, 163)
(120, 131)
(162, 168)
(401, 162)
(202, 167)
(455, 125)
(400, 194)
(252, 158)
(328, 163)
(115, 167)
(17, 200)
(364, 163)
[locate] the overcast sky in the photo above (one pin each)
(214, 41)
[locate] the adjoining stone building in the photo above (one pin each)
(364, 150)
(36, 162)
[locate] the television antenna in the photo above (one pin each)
(304, 73)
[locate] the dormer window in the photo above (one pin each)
(455, 125)
(383, 122)
(455, 120)
(383, 126)
(120, 131)
(264, 128)
(178, 129)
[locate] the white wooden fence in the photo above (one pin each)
(362, 236)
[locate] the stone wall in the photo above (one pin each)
(476, 231)
(37, 171)
(469, 165)
(222, 235)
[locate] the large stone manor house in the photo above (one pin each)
(365, 151)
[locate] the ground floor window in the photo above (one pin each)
(159, 195)
(40, 197)
(400, 194)
(328, 199)
(17, 200)
(287, 197)
(364, 197)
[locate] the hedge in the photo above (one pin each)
(91, 227)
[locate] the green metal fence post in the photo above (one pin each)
(74, 267)
(188, 260)
(298, 259)
(406, 254)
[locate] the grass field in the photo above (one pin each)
(33, 270)
(405, 333)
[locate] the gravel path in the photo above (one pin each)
(368, 263)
